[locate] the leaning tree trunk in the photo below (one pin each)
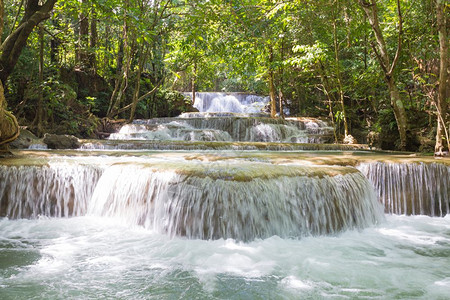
(16, 41)
(442, 103)
(10, 49)
(380, 49)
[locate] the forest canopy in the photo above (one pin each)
(376, 70)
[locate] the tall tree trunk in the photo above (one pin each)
(16, 41)
(10, 51)
(280, 81)
(137, 87)
(194, 83)
(442, 102)
(380, 49)
(93, 41)
(40, 107)
(83, 37)
(273, 100)
(339, 77)
(122, 82)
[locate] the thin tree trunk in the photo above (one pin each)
(380, 49)
(194, 83)
(83, 37)
(137, 88)
(273, 100)
(442, 103)
(339, 77)
(93, 42)
(40, 107)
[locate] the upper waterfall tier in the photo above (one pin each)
(227, 129)
(229, 102)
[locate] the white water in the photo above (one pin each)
(233, 102)
(411, 188)
(90, 257)
(232, 199)
(129, 245)
(226, 128)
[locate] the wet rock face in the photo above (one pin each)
(55, 141)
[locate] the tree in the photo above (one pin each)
(13, 44)
(442, 102)
(381, 51)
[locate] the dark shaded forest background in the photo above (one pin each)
(376, 70)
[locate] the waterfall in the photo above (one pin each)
(56, 190)
(229, 102)
(227, 129)
(411, 188)
(240, 200)
(219, 204)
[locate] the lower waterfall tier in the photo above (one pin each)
(225, 194)
(242, 200)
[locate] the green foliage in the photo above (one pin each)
(223, 45)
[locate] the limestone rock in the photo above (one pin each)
(349, 139)
(55, 141)
(25, 139)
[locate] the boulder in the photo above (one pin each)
(55, 141)
(25, 139)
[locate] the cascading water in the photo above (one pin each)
(211, 226)
(242, 202)
(411, 188)
(233, 128)
(229, 102)
(239, 200)
(225, 118)
(57, 190)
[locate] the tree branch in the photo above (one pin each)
(399, 45)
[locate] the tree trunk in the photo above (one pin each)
(83, 37)
(16, 41)
(442, 103)
(121, 83)
(40, 107)
(137, 88)
(193, 83)
(380, 49)
(93, 41)
(399, 111)
(339, 77)
(273, 100)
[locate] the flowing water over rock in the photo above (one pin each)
(226, 128)
(230, 102)
(411, 189)
(207, 200)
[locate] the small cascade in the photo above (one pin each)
(224, 117)
(227, 129)
(242, 201)
(411, 188)
(57, 190)
(229, 102)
